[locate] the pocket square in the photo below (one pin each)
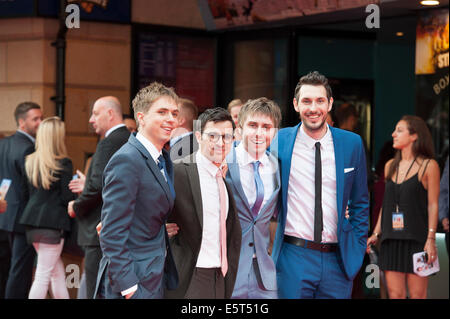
(349, 169)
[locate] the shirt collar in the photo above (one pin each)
(206, 164)
(113, 128)
(179, 137)
(245, 158)
(27, 135)
(310, 142)
(154, 153)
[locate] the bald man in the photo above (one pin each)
(107, 121)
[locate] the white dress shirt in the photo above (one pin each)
(209, 255)
(113, 129)
(301, 189)
(267, 171)
(154, 153)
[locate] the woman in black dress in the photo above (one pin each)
(49, 172)
(408, 218)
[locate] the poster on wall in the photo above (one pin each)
(184, 63)
(220, 14)
(432, 76)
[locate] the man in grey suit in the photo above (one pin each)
(137, 196)
(255, 183)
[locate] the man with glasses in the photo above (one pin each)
(207, 245)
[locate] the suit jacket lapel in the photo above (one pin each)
(276, 190)
(194, 182)
(152, 166)
(233, 169)
(339, 159)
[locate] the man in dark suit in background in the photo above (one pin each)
(108, 123)
(13, 151)
(207, 246)
(138, 196)
(183, 142)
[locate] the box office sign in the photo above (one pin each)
(92, 10)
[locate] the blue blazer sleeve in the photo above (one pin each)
(358, 203)
(121, 182)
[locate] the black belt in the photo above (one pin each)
(325, 248)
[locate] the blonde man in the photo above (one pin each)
(255, 182)
(138, 195)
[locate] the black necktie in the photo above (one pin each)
(162, 167)
(318, 222)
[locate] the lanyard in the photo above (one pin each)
(397, 198)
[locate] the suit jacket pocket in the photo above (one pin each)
(150, 271)
(346, 226)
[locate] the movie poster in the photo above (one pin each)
(220, 14)
(432, 76)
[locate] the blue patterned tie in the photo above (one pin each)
(259, 189)
(162, 166)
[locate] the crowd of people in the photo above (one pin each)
(222, 205)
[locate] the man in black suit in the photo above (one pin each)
(183, 142)
(13, 151)
(108, 123)
(207, 246)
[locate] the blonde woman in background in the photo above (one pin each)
(49, 172)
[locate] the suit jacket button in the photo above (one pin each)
(251, 244)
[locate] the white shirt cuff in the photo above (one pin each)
(129, 290)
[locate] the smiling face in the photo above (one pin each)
(257, 133)
(313, 107)
(159, 121)
(215, 151)
(401, 136)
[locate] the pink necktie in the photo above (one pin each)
(223, 218)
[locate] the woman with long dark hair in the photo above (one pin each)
(408, 218)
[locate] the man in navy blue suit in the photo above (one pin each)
(318, 250)
(13, 151)
(138, 195)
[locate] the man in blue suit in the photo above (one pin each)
(16, 254)
(138, 195)
(318, 250)
(255, 182)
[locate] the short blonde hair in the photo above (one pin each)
(235, 102)
(148, 95)
(42, 165)
(263, 106)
